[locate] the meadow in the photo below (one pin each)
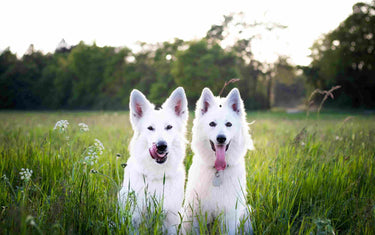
(308, 175)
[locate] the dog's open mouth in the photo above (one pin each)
(220, 150)
(213, 146)
(160, 157)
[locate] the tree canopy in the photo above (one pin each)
(346, 57)
(92, 77)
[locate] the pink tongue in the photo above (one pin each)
(220, 163)
(153, 152)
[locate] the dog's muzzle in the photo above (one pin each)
(159, 152)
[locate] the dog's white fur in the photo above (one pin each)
(143, 175)
(229, 199)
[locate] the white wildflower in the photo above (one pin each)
(83, 127)
(4, 177)
(99, 146)
(93, 152)
(303, 143)
(338, 137)
(26, 174)
(91, 156)
(30, 219)
(61, 125)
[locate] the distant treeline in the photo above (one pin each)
(92, 77)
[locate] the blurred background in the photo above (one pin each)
(89, 55)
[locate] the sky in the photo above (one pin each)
(124, 23)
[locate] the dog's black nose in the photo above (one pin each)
(161, 146)
(221, 139)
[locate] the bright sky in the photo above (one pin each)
(123, 22)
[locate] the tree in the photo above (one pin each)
(250, 72)
(58, 81)
(87, 64)
(7, 92)
(26, 78)
(238, 35)
(203, 65)
(346, 57)
(288, 87)
(165, 56)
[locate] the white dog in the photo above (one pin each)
(216, 185)
(155, 168)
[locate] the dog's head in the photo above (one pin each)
(221, 128)
(156, 131)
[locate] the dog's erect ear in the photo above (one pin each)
(177, 102)
(206, 100)
(138, 105)
(234, 100)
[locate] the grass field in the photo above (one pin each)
(307, 175)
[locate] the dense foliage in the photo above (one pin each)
(92, 77)
(346, 57)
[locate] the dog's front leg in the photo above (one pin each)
(231, 223)
(187, 221)
(171, 222)
(247, 228)
(190, 223)
(136, 218)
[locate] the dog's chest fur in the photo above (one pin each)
(168, 188)
(231, 191)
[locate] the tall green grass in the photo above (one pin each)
(306, 174)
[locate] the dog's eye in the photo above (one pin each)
(150, 128)
(168, 127)
(228, 124)
(213, 124)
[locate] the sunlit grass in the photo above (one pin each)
(306, 174)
